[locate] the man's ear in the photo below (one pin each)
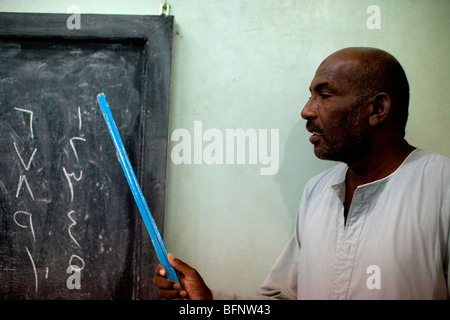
(380, 108)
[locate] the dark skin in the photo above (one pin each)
(362, 134)
(194, 288)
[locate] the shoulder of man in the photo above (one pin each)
(432, 161)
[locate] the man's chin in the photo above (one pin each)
(320, 153)
(324, 154)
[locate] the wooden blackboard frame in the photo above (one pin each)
(154, 33)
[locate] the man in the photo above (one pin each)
(375, 226)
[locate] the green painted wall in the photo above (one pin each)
(248, 64)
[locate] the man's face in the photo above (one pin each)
(333, 113)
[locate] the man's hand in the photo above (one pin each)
(194, 288)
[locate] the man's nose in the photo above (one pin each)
(309, 111)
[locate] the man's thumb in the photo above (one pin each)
(179, 265)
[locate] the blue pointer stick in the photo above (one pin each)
(152, 228)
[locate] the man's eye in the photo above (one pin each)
(325, 95)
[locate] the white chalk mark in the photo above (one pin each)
(68, 175)
(74, 265)
(70, 227)
(34, 270)
(79, 119)
(73, 147)
(31, 119)
(23, 178)
(30, 217)
(46, 273)
(27, 167)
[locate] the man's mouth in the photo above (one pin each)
(315, 137)
(315, 130)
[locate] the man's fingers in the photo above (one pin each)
(179, 265)
(160, 271)
(172, 294)
(164, 283)
(193, 285)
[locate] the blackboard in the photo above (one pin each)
(69, 227)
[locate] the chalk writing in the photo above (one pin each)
(79, 119)
(75, 265)
(27, 167)
(25, 220)
(70, 227)
(23, 178)
(68, 175)
(73, 281)
(30, 222)
(34, 270)
(31, 120)
(73, 147)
